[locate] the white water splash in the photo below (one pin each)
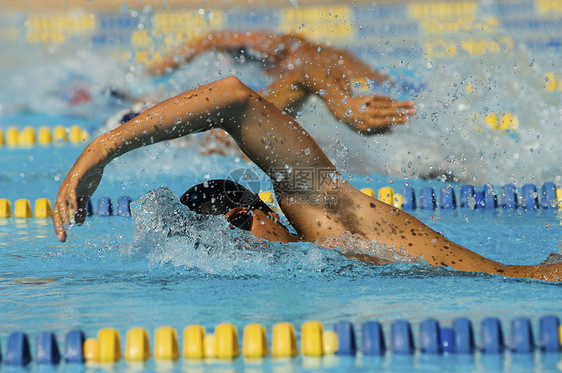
(168, 232)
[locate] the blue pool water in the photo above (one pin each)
(124, 272)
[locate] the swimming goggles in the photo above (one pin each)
(241, 219)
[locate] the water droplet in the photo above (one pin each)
(434, 117)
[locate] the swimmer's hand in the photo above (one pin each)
(373, 114)
(75, 191)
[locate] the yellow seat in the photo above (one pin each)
(5, 208)
(226, 341)
(91, 350)
(283, 340)
(194, 342)
(22, 209)
(59, 135)
(27, 137)
(12, 136)
(312, 343)
(44, 137)
(254, 341)
(137, 347)
(109, 345)
(42, 208)
(166, 344)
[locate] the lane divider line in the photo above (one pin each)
(429, 338)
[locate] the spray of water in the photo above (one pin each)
(450, 116)
(167, 232)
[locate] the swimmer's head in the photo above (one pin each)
(217, 197)
(241, 207)
(128, 116)
(125, 115)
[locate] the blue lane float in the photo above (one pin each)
(530, 197)
(427, 199)
(480, 200)
(490, 197)
(89, 209)
(17, 350)
(447, 199)
(467, 195)
(346, 338)
(46, 349)
(447, 340)
(549, 336)
(548, 196)
(401, 337)
(104, 207)
(522, 341)
(409, 198)
(124, 206)
(464, 336)
(373, 339)
(509, 197)
(430, 337)
(73, 347)
(491, 337)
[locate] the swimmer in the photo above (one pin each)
(318, 208)
(301, 68)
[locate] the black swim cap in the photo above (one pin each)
(128, 116)
(217, 197)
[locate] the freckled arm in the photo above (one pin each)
(397, 229)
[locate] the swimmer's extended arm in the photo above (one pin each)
(368, 114)
(305, 68)
(267, 136)
(264, 42)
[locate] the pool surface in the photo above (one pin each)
(483, 76)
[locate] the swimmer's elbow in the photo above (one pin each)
(230, 80)
(233, 83)
(236, 90)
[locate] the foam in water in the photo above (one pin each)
(462, 148)
(168, 232)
